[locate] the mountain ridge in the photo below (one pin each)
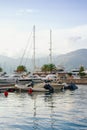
(73, 59)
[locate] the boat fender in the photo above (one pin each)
(6, 93)
(30, 90)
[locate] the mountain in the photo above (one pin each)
(73, 59)
(70, 60)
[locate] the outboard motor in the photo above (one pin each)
(49, 87)
(31, 84)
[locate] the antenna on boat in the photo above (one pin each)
(50, 47)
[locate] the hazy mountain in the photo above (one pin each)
(69, 61)
(73, 59)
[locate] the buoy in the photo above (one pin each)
(6, 93)
(30, 90)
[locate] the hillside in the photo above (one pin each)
(70, 60)
(73, 59)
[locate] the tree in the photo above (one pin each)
(81, 71)
(70, 74)
(21, 68)
(1, 69)
(44, 68)
(48, 67)
(51, 67)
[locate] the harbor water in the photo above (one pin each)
(43, 111)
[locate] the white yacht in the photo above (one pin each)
(7, 80)
(30, 78)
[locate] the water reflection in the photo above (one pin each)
(44, 111)
(39, 110)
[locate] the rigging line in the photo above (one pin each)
(28, 53)
(25, 49)
(31, 44)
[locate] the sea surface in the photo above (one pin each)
(43, 111)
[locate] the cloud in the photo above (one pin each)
(75, 38)
(26, 11)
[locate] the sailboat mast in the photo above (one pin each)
(34, 47)
(50, 46)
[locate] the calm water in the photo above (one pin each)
(40, 111)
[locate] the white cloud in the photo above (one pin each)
(26, 11)
(78, 37)
(67, 40)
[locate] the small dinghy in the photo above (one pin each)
(71, 86)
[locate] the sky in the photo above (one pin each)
(65, 18)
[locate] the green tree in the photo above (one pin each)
(70, 74)
(21, 68)
(81, 71)
(44, 68)
(51, 67)
(1, 69)
(48, 67)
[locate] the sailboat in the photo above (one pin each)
(31, 77)
(35, 81)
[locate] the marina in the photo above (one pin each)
(43, 65)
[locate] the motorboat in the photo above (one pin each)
(50, 77)
(28, 79)
(7, 80)
(71, 86)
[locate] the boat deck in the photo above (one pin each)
(38, 87)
